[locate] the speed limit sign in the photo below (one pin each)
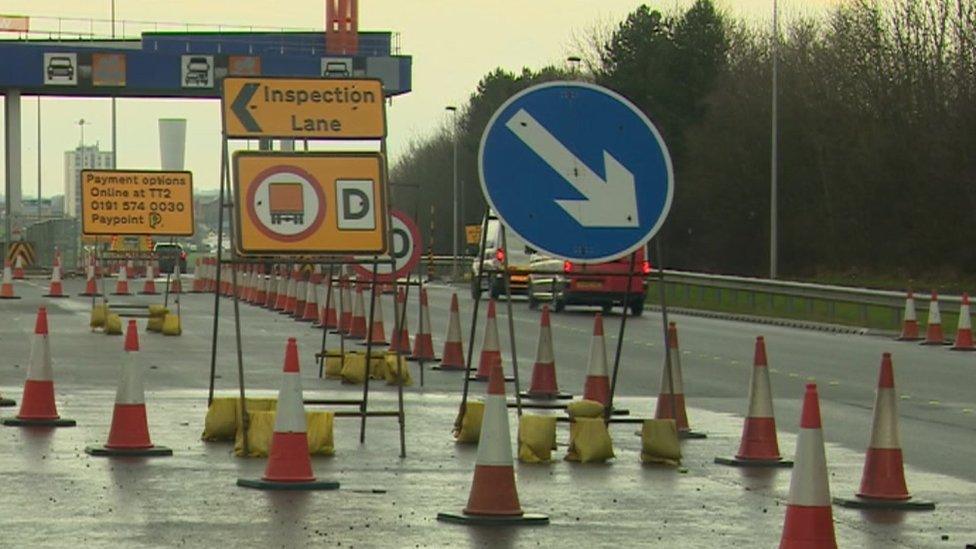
(405, 247)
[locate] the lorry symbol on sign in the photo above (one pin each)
(286, 203)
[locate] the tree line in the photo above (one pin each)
(877, 133)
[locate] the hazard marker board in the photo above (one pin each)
(303, 108)
(309, 203)
(405, 247)
(138, 202)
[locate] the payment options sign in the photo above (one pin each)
(136, 202)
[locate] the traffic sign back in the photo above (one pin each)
(576, 170)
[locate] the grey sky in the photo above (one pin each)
(453, 44)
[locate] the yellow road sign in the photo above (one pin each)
(310, 203)
(472, 234)
(24, 250)
(303, 108)
(136, 202)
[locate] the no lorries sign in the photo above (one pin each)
(136, 202)
(309, 203)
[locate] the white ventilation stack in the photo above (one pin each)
(172, 143)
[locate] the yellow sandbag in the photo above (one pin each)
(98, 314)
(156, 315)
(353, 368)
(536, 438)
(395, 374)
(171, 325)
(589, 441)
(659, 442)
(157, 310)
(261, 430)
(377, 365)
(333, 364)
(224, 416)
(113, 324)
(471, 424)
(585, 408)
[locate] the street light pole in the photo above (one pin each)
(774, 160)
(454, 230)
(38, 158)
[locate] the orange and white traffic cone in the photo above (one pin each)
(544, 383)
(129, 433)
(176, 282)
(197, 286)
(597, 385)
(91, 287)
(933, 333)
(964, 330)
(493, 499)
(453, 356)
(376, 335)
(357, 323)
(149, 286)
(671, 405)
(273, 284)
(401, 335)
(310, 311)
(809, 522)
(883, 479)
(301, 286)
(7, 288)
(759, 446)
(423, 345)
(909, 325)
(56, 289)
(289, 466)
(261, 288)
(328, 318)
(345, 306)
(37, 406)
(19, 268)
(287, 300)
(122, 282)
(491, 354)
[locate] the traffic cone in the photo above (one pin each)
(964, 330)
(493, 499)
(122, 283)
(597, 385)
(809, 522)
(301, 286)
(544, 371)
(261, 287)
(56, 289)
(909, 325)
(668, 404)
(176, 283)
(376, 334)
(328, 319)
(933, 334)
(129, 433)
(357, 323)
(197, 285)
(272, 295)
(491, 354)
(289, 466)
(759, 446)
(37, 406)
(7, 289)
(296, 292)
(149, 286)
(883, 479)
(91, 288)
(401, 335)
(310, 312)
(453, 355)
(286, 299)
(345, 306)
(19, 268)
(423, 345)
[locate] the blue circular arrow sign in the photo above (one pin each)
(576, 170)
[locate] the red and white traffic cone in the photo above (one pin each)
(493, 499)
(933, 333)
(883, 479)
(345, 306)
(376, 335)
(671, 405)
(261, 287)
(281, 298)
(491, 354)
(149, 286)
(197, 285)
(423, 345)
(809, 522)
(56, 289)
(37, 406)
(19, 268)
(176, 283)
(401, 335)
(310, 312)
(296, 304)
(289, 466)
(909, 325)
(7, 288)
(328, 319)
(122, 282)
(274, 279)
(91, 282)
(544, 383)
(129, 433)
(357, 323)
(759, 446)
(290, 289)
(597, 385)
(453, 356)
(964, 330)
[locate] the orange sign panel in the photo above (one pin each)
(310, 203)
(136, 202)
(303, 108)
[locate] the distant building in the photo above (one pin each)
(74, 161)
(49, 208)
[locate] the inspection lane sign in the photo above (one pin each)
(313, 203)
(136, 202)
(303, 108)
(576, 170)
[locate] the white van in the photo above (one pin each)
(519, 256)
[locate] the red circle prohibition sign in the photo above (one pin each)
(298, 172)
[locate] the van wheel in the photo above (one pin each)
(637, 308)
(559, 305)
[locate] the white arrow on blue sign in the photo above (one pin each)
(577, 171)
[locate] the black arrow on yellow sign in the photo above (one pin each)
(241, 104)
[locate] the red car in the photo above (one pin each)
(604, 284)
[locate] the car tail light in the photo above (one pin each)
(567, 266)
(500, 255)
(646, 267)
(182, 255)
